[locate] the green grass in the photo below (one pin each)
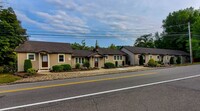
(8, 78)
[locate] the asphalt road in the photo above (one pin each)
(134, 91)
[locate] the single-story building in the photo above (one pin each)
(162, 55)
(44, 55)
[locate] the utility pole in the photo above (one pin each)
(190, 43)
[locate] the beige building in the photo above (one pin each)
(98, 57)
(44, 55)
(163, 55)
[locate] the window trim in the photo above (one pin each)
(33, 56)
(118, 58)
(79, 60)
(59, 58)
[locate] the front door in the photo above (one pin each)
(96, 62)
(44, 60)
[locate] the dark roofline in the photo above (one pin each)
(187, 54)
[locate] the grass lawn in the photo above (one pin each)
(7, 78)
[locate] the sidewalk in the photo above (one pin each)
(44, 76)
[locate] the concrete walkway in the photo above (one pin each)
(44, 76)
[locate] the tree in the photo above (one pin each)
(145, 41)
(96, 45)
(175, 27)
(11, 35)
(112, 46)
(81, 46)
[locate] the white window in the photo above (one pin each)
(79, 60)
(61, 57)
(116, 57)
(31, 56)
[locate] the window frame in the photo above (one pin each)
(59, 58)
(34, 59)
(79, 60)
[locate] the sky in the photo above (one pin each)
(118, 22)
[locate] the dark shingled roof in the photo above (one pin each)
(82, 53)
(50, 47)
(107, 51)
(142, 50)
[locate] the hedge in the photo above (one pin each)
(31, 72)
(27, 64)
(77, 66)
(109, 65)
(152, 63)
(57, 68)
(66, 67)
(86, 64)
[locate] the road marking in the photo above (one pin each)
(74, 83)
(98, 93)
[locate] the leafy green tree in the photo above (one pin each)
(11, 35)
(112, 46)
(175, 28)
(145, 41)
(96, 44)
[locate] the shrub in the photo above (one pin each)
(57, 68)
(66, 67)
(171, 61)
(77, 66)
(86, 64)
(109, 65)
(1, 69)
(152, 63)
(27, 64)
(31, 72)
(178, 60)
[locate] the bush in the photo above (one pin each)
(152, 63)
(86, 64)
(1, 69)
(109, 65)
(66, 67)
(171, 61)
(31, 72)
(77, 66)
(57, 68)
(27, 64)
(178, 60)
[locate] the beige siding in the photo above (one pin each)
(23, 56)
(130, 56)
(54, 59)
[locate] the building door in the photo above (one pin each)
(44, 60)
(96, 62)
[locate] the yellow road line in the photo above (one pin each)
(74, 83)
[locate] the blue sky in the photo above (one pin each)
(108, 21)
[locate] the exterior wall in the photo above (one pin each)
(111, 59)
(53, 59)
(131, 57)
(23, 56)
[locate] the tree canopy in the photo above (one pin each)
(145, 41)
(175, 32)
(11, 35)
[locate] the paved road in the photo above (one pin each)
(181, 95)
